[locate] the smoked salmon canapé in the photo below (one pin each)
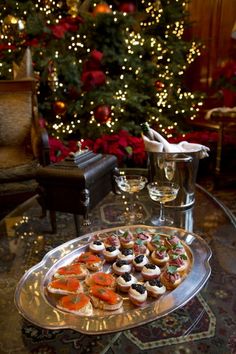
(68, 285)
(77, 270)
(92, 261)
(101, 278)
(79, 304)
(104, 298)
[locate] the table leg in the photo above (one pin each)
(77, 224)
(219, 150)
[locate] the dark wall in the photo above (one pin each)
(213, 22)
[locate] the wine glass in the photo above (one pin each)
(131, 184)
(162, 192)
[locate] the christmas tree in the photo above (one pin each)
(103, 66)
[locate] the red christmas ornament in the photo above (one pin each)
(101, 9)
(128, 7)
(102, 114)
(59, 108)
(92, 79)
(159, 85)
(94, 62)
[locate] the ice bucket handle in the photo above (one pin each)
(178, 158)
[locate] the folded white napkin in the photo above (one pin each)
(192, 147)
(167, 147)
(152, 145)
(157, 143)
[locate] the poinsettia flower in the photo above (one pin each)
(58, 151)
(93, 63)
(127, 148)
(87, 144)
(198, 137)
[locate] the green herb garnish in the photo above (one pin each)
(172, 269)
(139, 242)
(156, 239)
(178, 245)
(183, 256)
(139, 230)
(174, 256)
(125, 234)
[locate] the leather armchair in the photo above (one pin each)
(24, 143)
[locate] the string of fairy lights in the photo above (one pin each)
(158, 48)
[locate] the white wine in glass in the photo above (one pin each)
(162, 192)
(131, 184)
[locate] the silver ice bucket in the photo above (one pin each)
(180, 168)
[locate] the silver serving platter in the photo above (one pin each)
(33, 303)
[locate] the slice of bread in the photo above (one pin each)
(95, 266)
(103, 305)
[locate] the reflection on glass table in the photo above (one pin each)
(131, 184)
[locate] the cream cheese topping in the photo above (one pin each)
(154, 288)
(122, 281)
(149, 271)
(135, 294)
(113, 253)
(97, 247)
(141, 264)
(123, 268)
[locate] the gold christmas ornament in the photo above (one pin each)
(73, 7)
(9, 26)
(10, 20)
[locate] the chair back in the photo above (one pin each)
(16, 111)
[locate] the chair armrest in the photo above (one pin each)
(40, 142)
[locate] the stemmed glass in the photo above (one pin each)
(162, 192)
(131, 184)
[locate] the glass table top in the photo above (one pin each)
(205, 324)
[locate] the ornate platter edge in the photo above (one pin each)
(33, 305)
